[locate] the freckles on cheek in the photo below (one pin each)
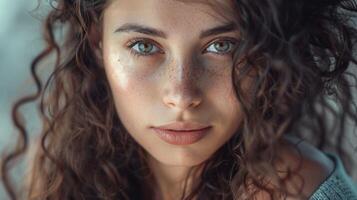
(127, 83)
(120, 70)
(222, 87)
(127, 74)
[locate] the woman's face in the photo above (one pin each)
(183, 75)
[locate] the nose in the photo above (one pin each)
(182, 87)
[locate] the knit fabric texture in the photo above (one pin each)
(338, 185)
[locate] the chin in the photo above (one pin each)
(179, 158)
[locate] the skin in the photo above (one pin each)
(178, 81)
(180, 84)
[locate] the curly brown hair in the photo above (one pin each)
(300, 51)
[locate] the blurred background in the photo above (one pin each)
(20, 42)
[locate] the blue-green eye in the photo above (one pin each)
(142, 47)
(221, 47)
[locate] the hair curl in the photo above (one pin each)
(299, 49)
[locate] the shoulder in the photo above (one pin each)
(315, 168)
(312, 165)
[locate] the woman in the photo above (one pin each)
(169, 99)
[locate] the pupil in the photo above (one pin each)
(220, 45)
(144, 47)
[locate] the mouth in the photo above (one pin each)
(181, 126)
(182, 132)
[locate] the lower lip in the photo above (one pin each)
(181, 137)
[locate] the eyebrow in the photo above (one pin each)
(132, 27)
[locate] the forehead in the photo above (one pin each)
(173, 16)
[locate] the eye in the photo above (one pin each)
(221, 47)
(142, 47)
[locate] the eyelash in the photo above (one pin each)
(146, 41)
(136, 41)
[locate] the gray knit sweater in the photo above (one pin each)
(338, 185)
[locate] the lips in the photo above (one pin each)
(183, 126)
(182, 133)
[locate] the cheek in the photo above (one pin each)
(222, 86)
(129, 86)
(132, 96)
(125, 74)
(225, 100)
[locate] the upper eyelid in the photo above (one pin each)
(136, 40)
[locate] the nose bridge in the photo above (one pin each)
(184, 70)
(181, 70)
(183, 59)
(182, 86)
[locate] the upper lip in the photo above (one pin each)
(182, 126)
